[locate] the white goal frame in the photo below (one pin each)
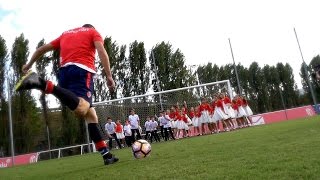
(168, 91)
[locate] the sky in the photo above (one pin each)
(259, 30)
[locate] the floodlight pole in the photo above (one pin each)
(10, 122)
(306, 71)
(157, 79)
(235, 69)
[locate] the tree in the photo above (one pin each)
(3, 106)
(171, 68)
(139, 69)
(313, 63)
(243, 78)
(256, 88)
(288, 85)
(162, 54)
(206, 74)
(26, 120)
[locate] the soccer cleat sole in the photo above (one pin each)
(18, 85)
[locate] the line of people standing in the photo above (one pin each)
(221, 114)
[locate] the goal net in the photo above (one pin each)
(151, 104)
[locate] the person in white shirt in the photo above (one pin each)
(135, 123)
(127, 133)
(148, 126)
(154, 129)
(169, 124)
(166, 123)
(161, 127)
(110, 128)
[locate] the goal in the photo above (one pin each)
(151, 104)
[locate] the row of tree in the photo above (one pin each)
(134, 74)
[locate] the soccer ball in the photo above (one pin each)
(141, 149)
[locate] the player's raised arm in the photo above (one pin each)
(103, 55)
(36, 55)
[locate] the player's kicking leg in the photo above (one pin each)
(79, 105)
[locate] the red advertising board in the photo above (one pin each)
(18, 160)
(289, 114)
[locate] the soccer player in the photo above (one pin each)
(75, 84)
(134, 122)
(110, 128)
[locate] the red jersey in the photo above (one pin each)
(204, 107)
(226, 100)
(198, 114)
(77, 47)
(172, 115)
(239, 102)
(185, 119)
(191, 114)
(234, 105)
(244, 102)
(179, 117)
(219, 103)
(118, 128)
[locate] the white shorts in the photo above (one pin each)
(173, 124)
(195, 122)
(241, 112)
(120, 135)
(248, 111)
(221, 114)
(186, 127)
(180, 124)
(204, 118)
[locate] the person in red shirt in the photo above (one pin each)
(77, 55)
(204, 119)
(241, 112)
(195, 120)
(214, 118)
(235, 108)
(120, 133)
(221, 115)
(228, 110)
(173, 116)
(247, 109)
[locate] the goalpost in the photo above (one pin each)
(151, 104)
(145, 105)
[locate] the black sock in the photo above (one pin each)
(94, 132)
(96, 137)
(66, 97)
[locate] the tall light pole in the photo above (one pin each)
(10, 121)
(235, 69)
(306, 71)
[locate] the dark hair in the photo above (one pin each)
(108, 118)
(88, 26)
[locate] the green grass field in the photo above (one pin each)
(286, 150)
